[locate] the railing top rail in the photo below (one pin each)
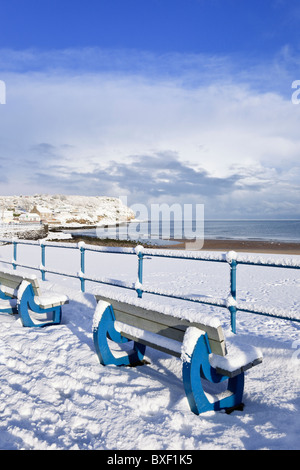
(231, 258)
(292, 262)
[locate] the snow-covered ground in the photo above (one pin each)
(54, 394)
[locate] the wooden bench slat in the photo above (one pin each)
(14, 280)
(175, 332)
(149, 325)
(166, 325)
(10, 282)
(215, 333)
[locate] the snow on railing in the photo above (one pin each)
(231, 258)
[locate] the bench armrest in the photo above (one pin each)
(239, 358)
(49, 301)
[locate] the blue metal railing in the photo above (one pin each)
(230, 258)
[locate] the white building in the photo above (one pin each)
(29, 217)
(6, 217)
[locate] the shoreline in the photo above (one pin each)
(249, 246)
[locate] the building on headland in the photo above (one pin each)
(6, 216)
(29, 217)
(43, 212)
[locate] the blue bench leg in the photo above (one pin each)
(199, 367)
(104, 331)
(26, 303)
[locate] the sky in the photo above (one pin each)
(159, 101)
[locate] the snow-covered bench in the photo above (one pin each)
(20, 293)
(199, 342)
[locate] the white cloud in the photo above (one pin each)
(58, 123)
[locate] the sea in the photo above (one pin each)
(160, 232)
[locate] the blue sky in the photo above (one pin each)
(169, 101)
(255, 27)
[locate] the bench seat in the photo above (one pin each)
(239, 357)
(198, 340)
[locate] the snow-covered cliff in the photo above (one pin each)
(66, 210)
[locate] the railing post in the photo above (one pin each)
(14, 263)
(231, 259)
(81, 246)
(139, 283)
(43, 260)
(233, 279)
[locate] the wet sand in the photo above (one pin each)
(248, 246)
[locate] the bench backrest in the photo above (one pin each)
(162, 324)
(12, 281)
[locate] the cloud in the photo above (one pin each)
(163, 178)
(163, 129)
(153, 176)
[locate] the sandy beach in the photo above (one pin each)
(249, 246)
